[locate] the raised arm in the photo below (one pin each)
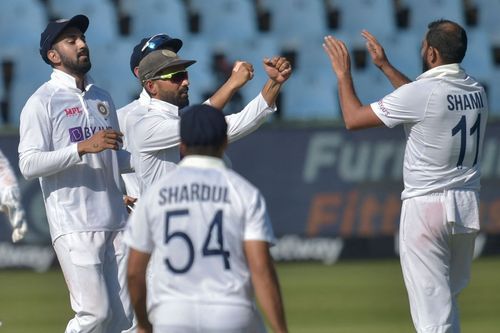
(279, 70)
(356, 115)
(241, 74)
(266, 285)
(380, 60)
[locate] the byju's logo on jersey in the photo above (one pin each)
(77, 134)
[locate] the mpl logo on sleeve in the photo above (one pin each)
(72, 112)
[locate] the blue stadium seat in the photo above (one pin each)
(201, 78)
(403, 51)
(376, 16)
(103, 18)
(150, 17)
(21, 22)
(478, 61)
(30, 72)
(310, 97)
(422, 12)
(488, 18)
(111, 71)
(371, 85)
(296, 20)
(494, 94)
(226, 19)
(253, 51)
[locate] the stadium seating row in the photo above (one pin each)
(231, 29)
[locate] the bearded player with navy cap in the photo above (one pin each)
(207, 233)
(69, 139)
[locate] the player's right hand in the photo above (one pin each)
(375, 49)
(242, 73)
(104, 139)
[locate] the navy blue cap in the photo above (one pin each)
(203, 125)
(55, 28)
(156, 42)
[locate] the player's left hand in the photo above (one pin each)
(278, 69)
(375, 49)
(339, 56)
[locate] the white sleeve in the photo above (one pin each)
(249, 119)
(138, 235)
(35, 156)
(154, 134)
(257, 223)
(407, 104)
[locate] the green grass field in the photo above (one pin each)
(348, 297)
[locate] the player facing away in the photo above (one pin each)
(69, 140)
(207, 233)
(444, 114)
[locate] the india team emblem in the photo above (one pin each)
(103, 109)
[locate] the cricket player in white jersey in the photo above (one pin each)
(165, 77)
(207, 233)
(69, 140)
(133, 112)
(10, 200)
(444, 113)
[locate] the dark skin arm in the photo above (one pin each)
(356, 115)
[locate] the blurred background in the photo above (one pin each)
(333, 195)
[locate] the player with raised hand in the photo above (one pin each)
(164, 76)
(206, 231)
(444, 113)
(134, 111)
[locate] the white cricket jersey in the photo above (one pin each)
(80, 193)
(194, 222)
(127, 116)
(444, 113)
(157, 135)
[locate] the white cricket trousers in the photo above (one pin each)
(436, 263)
(94, 267)
(191, 317)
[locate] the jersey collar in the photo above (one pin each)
(66, 80)
(448, 70)
(171, 109)
(202, 161)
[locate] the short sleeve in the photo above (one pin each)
(407, 104)
(257, 224)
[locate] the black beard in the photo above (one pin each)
(425, 66)
(76, 66)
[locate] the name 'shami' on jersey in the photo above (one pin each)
(193, 192)
(463, 102)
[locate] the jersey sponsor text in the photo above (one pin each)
(77, 134)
